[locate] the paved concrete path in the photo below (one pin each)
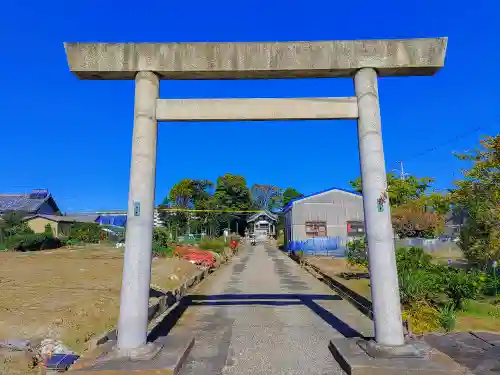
(478, 351)
(264, 315)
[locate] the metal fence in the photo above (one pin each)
(430, 245)
(189, 238)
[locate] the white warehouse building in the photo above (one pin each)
(323, 220)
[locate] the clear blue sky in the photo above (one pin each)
(74, 137)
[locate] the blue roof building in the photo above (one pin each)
(323, 222)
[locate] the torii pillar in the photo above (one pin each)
(365, 60)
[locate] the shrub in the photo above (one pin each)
(460, 286)
(161, 237)
(19, 229)
(215, 244)
(85, 232)
(162, 251)
(412, 258)
(66, 241)
(480, 243)
(422, 318)
(32, 242)
(447, 317)
(161, 246)
(356, 253)
(492, 285)
(417, 286)
(48, 230)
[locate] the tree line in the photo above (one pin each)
(216, 206)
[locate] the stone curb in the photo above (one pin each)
(357, 300)
(159, 308)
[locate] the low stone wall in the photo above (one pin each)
(159, 309)
(157, 305)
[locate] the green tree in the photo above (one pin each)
(188, 193)
(266, 197)
(289, 195)
(181, 194)
(401, 191)
(435, 202)
(13, 218)
(12, 224)
(478, 194)
(202, 199)
(166, 202)
(213, 221)
(201, 192)
(231, 192)
(180, 197)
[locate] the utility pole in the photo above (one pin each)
(402, 171)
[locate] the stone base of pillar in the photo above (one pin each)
(355, 360)
(375, 350)
(143, 353)
(164, 358)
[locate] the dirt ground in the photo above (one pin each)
(69, 294)
(333, 267)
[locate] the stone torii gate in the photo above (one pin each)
(364, 60)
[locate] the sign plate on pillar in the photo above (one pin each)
(137, 208)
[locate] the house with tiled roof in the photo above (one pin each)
(38, 202)
(60, 225)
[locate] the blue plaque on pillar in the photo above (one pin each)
(137, 208)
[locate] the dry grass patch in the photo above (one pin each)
(16, 363)
(69, 294)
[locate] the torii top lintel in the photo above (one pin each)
(254, 60)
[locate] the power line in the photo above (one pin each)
(199, 210)
(178, 210)
(447, 142)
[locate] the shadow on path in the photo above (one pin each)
(255, 299)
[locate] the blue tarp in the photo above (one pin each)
(116, 220)
(328, 246)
